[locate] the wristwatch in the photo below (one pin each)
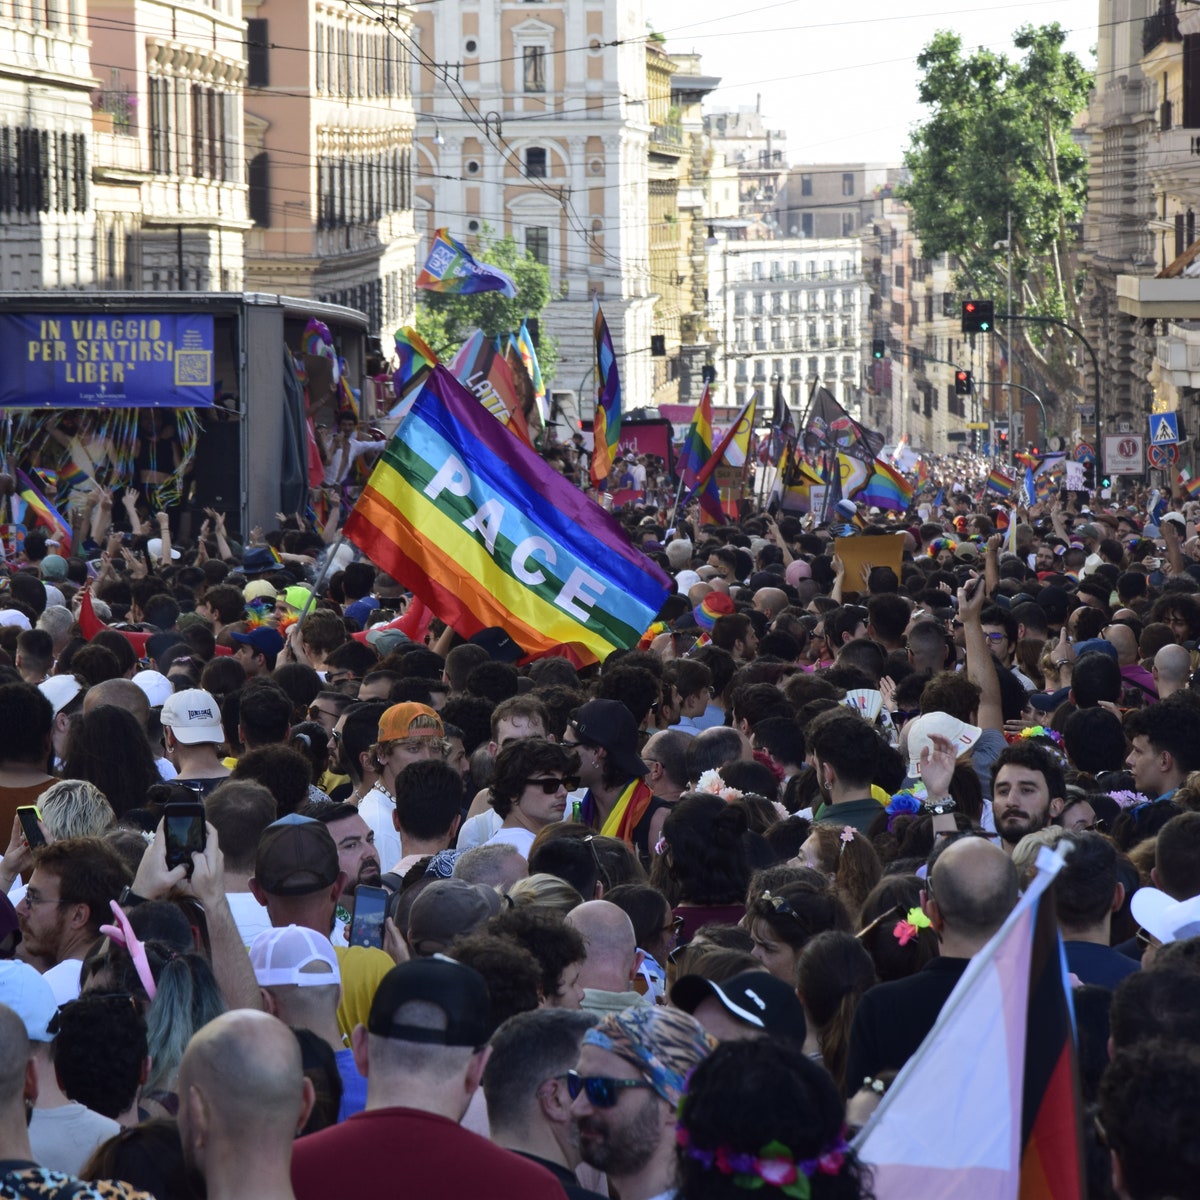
(129, 898)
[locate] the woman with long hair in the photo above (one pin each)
(846, 858)
(108, 747)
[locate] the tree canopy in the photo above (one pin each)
(445, 320)
(998, 142)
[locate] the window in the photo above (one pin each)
(794, 301)
(535, 68)
(899, 275)
(161, 112)
(777, 302)
(258, 177)
(258, 71)
(847, 301)
(535, 162)
(806, 224)
(847, 183)
(794, 368)
(777, 367)
(776, 332)
(830, 367)
(812, 368)
(537, 243)
(847, 224)
(759, 304)
(847, 366)
(756, 271)
(741, 369)
(810, 269)
(806, 185)
(793, 269)
(760, 370)
(739, 304)
(759, 339)
(812, 331)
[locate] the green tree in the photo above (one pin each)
(445, 320)
(998, 142)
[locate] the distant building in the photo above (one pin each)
(759, 155)
(830, 200)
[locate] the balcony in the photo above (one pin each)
(1159, 27)
(668, 137)
(1175, 157)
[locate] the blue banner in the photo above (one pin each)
(106, 360)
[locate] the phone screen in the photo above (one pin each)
(29, 817)
(370, 908)
(184, 825)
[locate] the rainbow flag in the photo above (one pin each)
(1190, 484)
(47, 514)
(317, 342)
(606, 423)
(999, 483)
(528, 353)
(696, 453)
(487, 534)
(415, 359)
(922, 474)
(450, 267)
(886, 488)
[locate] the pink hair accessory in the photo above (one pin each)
(122, 933)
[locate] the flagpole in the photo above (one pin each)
(320, 580)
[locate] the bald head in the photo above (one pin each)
(1122, 639)
(1172, 667)
(975, 886)
(119, 693)
(242, 1079)
(14, 1057)
(770, 600)
(611, 944)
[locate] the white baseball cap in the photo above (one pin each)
(14, 616)
(193, 717)
(25, 991)
(154, 549)
(293, 955)
(60, 690)
(922, 731)
(1168, 919)
(156, 685)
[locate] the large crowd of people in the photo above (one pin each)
(304, 894)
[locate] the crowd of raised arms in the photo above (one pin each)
(305, 896)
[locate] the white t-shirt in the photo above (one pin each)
(479, 829)
(522, 839)
(64, 982)
(249, 916)
(64, 1138)
(377, 809)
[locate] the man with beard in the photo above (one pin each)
(632, 1072)
(242, 1098)
(357, 858)
(1028, 790)
(970, 890)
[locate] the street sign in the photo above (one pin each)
(1124, 453)
(1085, 453)
(977, 424)
(1164, 429)
(1161, 457)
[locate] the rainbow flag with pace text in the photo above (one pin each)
(487, 534)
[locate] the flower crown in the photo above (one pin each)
(774, 1165)
(1037, 731)
(712, 782)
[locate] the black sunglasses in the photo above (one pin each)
(602, 1090)
(549, 786)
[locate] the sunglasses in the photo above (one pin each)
(602, 1091)
(550, 785)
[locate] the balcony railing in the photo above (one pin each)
(1162, 26)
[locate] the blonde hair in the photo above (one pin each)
(544, 891)
(74, 808)
(1025, 852)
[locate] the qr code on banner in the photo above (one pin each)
(193, 368)
(440, 258)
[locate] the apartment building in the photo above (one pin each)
(329, 146)
(533, 120)
(831, 200)
(791, 310)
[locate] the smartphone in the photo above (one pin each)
(29, 817)
(370, 909)
(184, 826)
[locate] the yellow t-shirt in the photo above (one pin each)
(362, 968)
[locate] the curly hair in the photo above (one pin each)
(748, 1095)
(706, 861)
(553, 943)
(512, 974)
(99, 1050)
(523, 759)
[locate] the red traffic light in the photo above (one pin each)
(969, 306)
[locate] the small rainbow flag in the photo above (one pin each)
(1190, 484)
(999, 483)
(450, 267)
(606, 422)
(47, 514)
(886, 488)
(697, 450)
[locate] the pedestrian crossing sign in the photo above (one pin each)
(1164, 429)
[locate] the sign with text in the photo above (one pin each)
(127, 360)
(1124, 453)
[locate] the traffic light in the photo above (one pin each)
(1089, 476)
(1105, 483)
(978, 316)
(878, 348)
(1002, 440)
(963, 383)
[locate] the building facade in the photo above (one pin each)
(790, 310)
(330, 156)
(831, 200)
(533, 120)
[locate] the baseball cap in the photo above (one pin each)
(294, 956)
(447, 909)
(54, 566)
(1095, 646)
(297, 596)
(397, 720)
(158, 689)
(498, 644)
(296, 856)
(796, 570)
(1053, 601)
(754, 997)
(264, 640)
(14, 616)
(1168, 919)
(1087, 530)
(1175, 517)
(387, 640)
(258, 589)
(608, 723)
(60, 690)
(25, 991)
(458, 990)
(192, 716)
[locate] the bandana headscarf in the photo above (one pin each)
(665, 1044)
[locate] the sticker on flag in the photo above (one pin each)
(1074, 476)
